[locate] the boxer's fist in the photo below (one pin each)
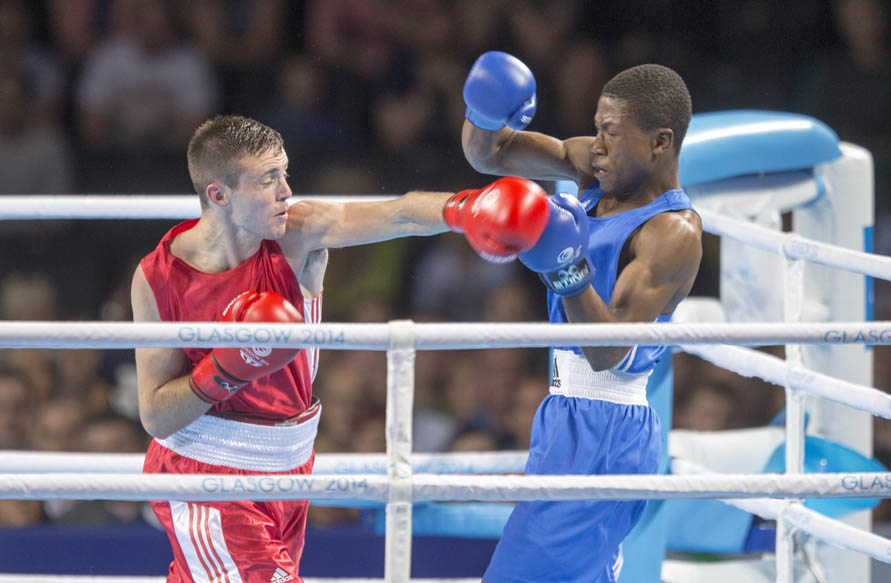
(499, 91)
(560, 254)
(500, 220)
(224, 371)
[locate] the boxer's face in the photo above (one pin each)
(622, 152)
(260, 200)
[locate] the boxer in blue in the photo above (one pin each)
(627, 249)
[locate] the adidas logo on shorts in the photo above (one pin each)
(280, 576)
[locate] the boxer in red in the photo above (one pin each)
(250, 257)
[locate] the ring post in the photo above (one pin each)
(793, 301)
(400, 394)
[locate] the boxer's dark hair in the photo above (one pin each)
(655, 97)
(218, 145)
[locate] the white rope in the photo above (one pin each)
(214, 487)
(752, 363)
(795, 246)
(455, 336)
(17, 578)
(20, 207)
(804, 519)
(494, 462)
(137, 206)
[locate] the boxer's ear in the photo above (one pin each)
(217, 193)
(663, 141)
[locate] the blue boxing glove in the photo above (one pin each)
(560, 256)
(499, 91)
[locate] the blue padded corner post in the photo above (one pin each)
(723, 144)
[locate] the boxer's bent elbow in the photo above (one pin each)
(155, 424)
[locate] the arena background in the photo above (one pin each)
(100, 97)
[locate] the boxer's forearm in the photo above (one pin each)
(170, 407)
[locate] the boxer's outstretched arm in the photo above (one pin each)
(316, 224)
(666, 253)
(507, 152)
(166, 403)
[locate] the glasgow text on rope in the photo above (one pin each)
(283, 485)
(260, 336)
(882, 336)
(875, 484)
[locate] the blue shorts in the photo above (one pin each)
(577, 541)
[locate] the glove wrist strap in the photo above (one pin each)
(451, 210)
(211, 383)
(483, 122)
(570, 280)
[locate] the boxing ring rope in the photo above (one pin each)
(10, 578)
(492, 462)
(401, 486)
(338, 336)
(795, 246)
(752, 363)
(441, 487)
(801, 518)
(24, 207)
(438, 487)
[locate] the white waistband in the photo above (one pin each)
(573, 377)
(245, 446)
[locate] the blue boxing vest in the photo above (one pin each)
(608, 236)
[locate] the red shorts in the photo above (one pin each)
(229, 542)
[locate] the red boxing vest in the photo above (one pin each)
(184, 294)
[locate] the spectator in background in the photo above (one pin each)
(369, 435)
(518, 420)
(480, 23)
(301, 113)
(501, 371)
(849, 89)
(432, 427)
(470, 439)
(243, 38)
(708, 405)
(342, 388)
(144, 89)
(107, 433)
(435, 291)
(27, 296)
(583, 71)
(19, 513)
(355, 41)
(81, 371)
(40, 68)
(16, 405)
(356, 36)
(138, 97)
(55, 427)
(35, 367)
(34, 155)
(540, 29)
(464, 394)
(57, 423)
(400, 124)
(512, 302)
(76, 26)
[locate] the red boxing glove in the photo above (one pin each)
(501, 220)
(223, 371)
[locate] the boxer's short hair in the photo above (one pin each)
(218, 145)
(655, 97)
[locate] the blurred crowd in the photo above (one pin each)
(101, 96)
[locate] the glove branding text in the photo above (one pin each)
(572, 276)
